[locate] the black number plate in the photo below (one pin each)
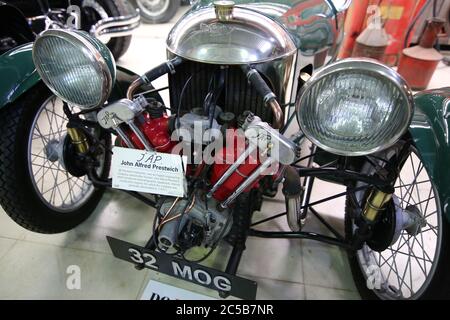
(192, 272)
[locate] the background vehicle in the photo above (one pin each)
(159, 11)
(368, 133)
(96, 16)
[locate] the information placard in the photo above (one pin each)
(149, 172)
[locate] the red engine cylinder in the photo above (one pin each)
(157, 132)
(224, 159)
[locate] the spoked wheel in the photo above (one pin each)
(43, 184)
(406, 257)
(49, 160)
(158, 11)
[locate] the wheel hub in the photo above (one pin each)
(53, 150)
(154, 7)
(413, 221)
(155, 3)
(64, 152)
(394, 220)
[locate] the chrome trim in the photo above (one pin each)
(124, 137)
(260, 133)
(116, 26)
(307, 189)
(232, 168)
(36, 18)
(247, 182)
(248, 37)
(134, 86)
(446, 115)
(314, 26)
(94, 56)
(142, 138)
(357, 64)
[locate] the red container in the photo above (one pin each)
(372, 42)
(396, 15)
(417, 72)
(418, 63)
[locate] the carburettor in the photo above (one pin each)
(188, 223)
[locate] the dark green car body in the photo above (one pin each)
(430, 131)
(18, 75)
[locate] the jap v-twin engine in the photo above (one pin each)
(245, 149)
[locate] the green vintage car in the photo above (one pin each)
(265, 75)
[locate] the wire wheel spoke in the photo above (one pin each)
(56, 187)
(408, 265)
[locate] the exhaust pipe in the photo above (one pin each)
(293, 193)
(117, 26)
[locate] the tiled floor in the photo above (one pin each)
(35, 266)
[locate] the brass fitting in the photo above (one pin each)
(79, 140)
(376, 202)
(224, 10)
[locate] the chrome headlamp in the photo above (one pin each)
(75, 66)
(355, 107)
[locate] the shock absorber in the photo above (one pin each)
(77, 136)
(78, 139)
(375, 204)
(293, 193)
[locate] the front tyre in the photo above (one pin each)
(408, 255)
(36, 190)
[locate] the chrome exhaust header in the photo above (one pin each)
(117, 26)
